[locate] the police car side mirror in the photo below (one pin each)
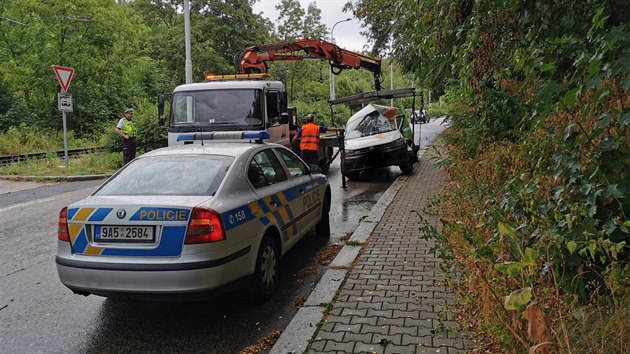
(315, 169)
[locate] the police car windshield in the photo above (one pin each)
(238, 107)
(198, 175)
(371, 124)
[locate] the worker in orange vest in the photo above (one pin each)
(309, 139)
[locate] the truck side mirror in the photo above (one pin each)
(292, 112)
(284, 118)
(161, 99)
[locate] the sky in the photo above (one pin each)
(347, 34)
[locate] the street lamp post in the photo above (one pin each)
(188, 62)
(332, 76)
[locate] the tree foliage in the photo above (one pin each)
(541, 116)
(125, 53)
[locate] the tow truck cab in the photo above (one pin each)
(227, 103)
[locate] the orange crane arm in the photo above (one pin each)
(254, 59)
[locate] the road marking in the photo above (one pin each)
(27, 203)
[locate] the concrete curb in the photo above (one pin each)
(297, 335)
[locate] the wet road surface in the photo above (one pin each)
(39, 315)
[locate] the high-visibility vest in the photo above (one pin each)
(129, 128)
(310, 137)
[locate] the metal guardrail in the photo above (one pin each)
(7, 160)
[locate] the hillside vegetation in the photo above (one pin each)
(536, 224)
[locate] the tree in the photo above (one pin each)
(93, 36)
(312, 26)
(290, 21)
(222, 29)
(293, 24)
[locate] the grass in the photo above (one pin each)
(29, 139)
(89, 164)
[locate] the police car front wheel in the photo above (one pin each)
(322, 229)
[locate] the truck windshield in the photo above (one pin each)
(238, 107)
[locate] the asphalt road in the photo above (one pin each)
(39, 315)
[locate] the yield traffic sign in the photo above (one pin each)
(64, 75)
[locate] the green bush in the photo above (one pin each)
(150, 135)
(25, 138)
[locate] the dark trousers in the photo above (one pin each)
(310, 157)
(129, 150)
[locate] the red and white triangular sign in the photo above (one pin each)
(64, 75)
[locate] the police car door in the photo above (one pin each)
(310, 189)
(271, 184)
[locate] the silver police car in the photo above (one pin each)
(192, 221)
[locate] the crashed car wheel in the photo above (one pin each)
(406, 168)
(353, 176)
(265, 278)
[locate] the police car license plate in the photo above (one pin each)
(115, 233)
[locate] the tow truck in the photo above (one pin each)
(250, 100)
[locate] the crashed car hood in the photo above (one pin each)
(373, 140)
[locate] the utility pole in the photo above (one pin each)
(391, 81)
(332, 76)
(188, 64)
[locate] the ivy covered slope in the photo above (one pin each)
(539, 155)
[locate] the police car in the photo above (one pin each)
(192, 221)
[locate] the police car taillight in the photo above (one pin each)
(204, 226)
(62, 234)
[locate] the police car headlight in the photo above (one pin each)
(349, 152)
(398, 142)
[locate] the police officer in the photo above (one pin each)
(309, 139)
(126, 128)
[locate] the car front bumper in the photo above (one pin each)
(365, 160)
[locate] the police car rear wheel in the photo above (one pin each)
(265, 278)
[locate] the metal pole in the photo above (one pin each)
(65, 141)
(188, 64)
(391, 80)
(332, 76)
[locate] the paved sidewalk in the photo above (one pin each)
(394, 298)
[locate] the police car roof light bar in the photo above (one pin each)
(258, 136)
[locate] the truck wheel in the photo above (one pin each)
(322, 229)
(353, 176)
(265, 279)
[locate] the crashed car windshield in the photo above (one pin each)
(371, 124)
(169, 175)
